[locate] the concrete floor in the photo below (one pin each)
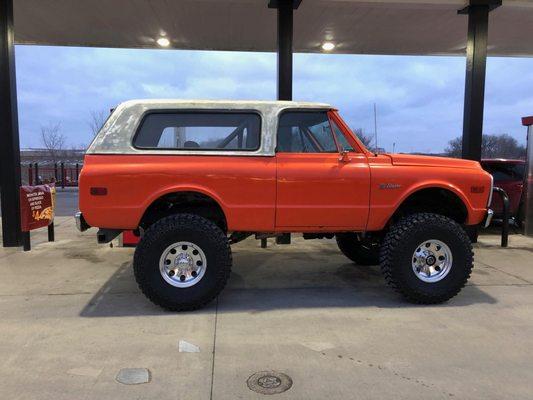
(71, 317)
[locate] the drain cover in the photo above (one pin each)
(133, 376)
(269, 382)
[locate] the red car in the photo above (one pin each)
(509, 175)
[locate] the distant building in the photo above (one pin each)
(49, 166)
(47, 157)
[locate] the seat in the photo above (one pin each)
(190, 144)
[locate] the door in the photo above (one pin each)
(317, 187)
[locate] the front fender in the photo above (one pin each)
(438, 185)
(386, 202)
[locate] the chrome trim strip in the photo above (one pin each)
(81, 225)
(488, 218)
(491, 190)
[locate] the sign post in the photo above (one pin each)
(528, 179)
(37, 205)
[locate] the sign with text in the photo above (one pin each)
(36, 206)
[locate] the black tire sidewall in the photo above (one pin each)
(412, 232)
(207, 236)
(359, 252)
(455, 276)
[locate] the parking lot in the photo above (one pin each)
(71, 318)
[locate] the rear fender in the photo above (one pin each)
(184, 188)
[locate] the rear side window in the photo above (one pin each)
(305, 132)
(199, 131)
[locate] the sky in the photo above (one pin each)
(419, 99)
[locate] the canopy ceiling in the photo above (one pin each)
(416, 27)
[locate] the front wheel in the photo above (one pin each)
(427, 258)
(182, 262)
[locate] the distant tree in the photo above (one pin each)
(503, 146)
(455, 148)
(53, 140)
(364, 138)
(97, 120)
(492, 146)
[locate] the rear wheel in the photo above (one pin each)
(362, 252)
(182, 262)
(427, 258)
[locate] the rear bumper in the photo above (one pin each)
(81, 224)
(488, 218)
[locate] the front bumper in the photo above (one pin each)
(81, 224)
(488, 218)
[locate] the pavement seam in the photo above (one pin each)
(504, 272)
(44, 294)
(214, 351)
(390, 370)
(243, 289)
(500, 284)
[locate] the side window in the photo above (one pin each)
(305, 132)
(199, 131)
(505, 172)
(519, 171)
(341, 138)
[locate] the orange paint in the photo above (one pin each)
(288, 192)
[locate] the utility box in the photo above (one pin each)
(528, 178)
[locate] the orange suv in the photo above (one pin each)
(193, 177)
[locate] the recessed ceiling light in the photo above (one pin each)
(328, 46)
(163, 42)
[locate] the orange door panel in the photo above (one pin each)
(319, 190)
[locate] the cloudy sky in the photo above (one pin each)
(419, 99)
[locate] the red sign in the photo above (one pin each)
(36, 206)
(527, 121)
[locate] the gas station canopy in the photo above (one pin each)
(408, 27)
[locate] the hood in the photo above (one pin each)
(427, 161)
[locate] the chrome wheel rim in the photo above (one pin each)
(432, 261)
(182, 264)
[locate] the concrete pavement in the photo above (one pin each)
(71, 317)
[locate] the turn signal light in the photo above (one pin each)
(98, 191)
(477, 189)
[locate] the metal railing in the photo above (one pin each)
(505, 217)
(62, 174)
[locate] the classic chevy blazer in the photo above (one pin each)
(191, 178)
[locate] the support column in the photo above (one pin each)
(9, 132)
(285, 34)
(476, 61)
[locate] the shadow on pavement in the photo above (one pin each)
(250, 291)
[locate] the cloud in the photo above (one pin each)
(419, 99)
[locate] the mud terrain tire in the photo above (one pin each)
(405, 238)
(360, 252)
(180, 228)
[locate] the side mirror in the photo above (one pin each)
(343, 156)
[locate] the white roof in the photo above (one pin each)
(116, 135)
(355, 26)
(223, 104)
